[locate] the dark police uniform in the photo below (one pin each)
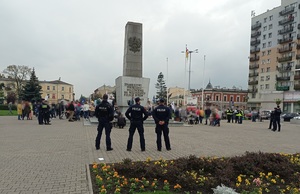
(272, 121)
(135, 114)
(162, 113)
(44, 114)
(104, 113)
(277, 113)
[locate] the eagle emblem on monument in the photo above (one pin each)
(134, 44)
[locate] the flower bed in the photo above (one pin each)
(249, 173)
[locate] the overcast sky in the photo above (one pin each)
(82, 41)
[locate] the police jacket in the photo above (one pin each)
(136, 112)
(161, 113)
(104, 111)
(277, 112)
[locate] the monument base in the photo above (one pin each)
(128, 88)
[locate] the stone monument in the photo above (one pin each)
(132, 84)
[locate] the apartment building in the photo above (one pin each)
(274, 62)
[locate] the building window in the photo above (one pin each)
(265, 20)
(264, 37)
(268, 69)
(48, 87)
(238, 99)
(267, 86)
(265, 28)
(270, 44)
(264, 45)
(62, 88)
(263, 62)
(70, 89)
(269, 52)
(262, 78)
(62, 96)
(271, 17)
(217, 98)
(261, 87)
(48, 95)
(263, 53)
(53, 96)
(267, 78)
(225, 98)
(270, 35)
(53, 87)
(270, 26)
(262, 70)
(231, 98)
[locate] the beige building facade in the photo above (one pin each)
(57, 90)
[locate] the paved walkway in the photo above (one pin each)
(51, 159)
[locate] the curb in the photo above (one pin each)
(88, 178)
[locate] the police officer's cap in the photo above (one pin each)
(137, 99)
(162, 100)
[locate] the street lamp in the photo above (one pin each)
(190, 65)
(202, 100)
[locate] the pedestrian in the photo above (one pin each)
(161, 116)
(271, 119)
(9, 108)
(277, 113)
(19, 110)
(121, 121)
(105, 114)
(207, 114)
(86, 108)
(71, 109)
(135, 114)
(46, 112)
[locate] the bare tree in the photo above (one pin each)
(18, 74)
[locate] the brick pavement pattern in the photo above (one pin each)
(51, 159)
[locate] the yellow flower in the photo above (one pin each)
(239, 179)
(247, 182)
(269, 173)
(237, 184)
(273, 181)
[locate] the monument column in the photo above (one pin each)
(132, 84)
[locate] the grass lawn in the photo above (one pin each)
(5, 113)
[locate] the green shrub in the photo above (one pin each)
(5, 107)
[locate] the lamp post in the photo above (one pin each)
(167, 82)
(190, 66)
(202, 99)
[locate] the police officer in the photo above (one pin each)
(135, 114)
(277, 113)
(105, 114)
(161, 115)
(45, 113)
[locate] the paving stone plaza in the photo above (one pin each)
(52, 159)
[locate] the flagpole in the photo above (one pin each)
(202, 100)
(167, 83)
(185, 60)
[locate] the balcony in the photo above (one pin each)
(285, 40)
(286, 21)
(255, 34)
(284, 59)
(297, 67)
(256, 26)
(284, 69)
(296, 86)
(298, 46)
(286, 30)
(255, 42)
(283, 88)
(283, 78)
(297, 56)
(254, 66)
(252, 82)
(252, 59)
(296, 77)
(253, 90)
(253, 51)
(285, 49)
(286, 11)
(253, 74)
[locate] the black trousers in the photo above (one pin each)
(108, 126)
(133, 126)
(229, 117)
(162, 129)
(277, 123)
